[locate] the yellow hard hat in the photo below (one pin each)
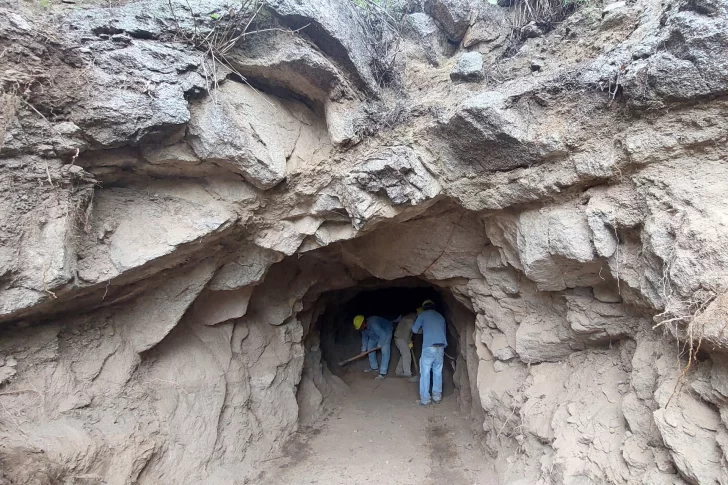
(358, 321)
(420, 310)
(428, 302)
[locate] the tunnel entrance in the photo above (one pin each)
(389, 300)
(374, 428)
(331, 338)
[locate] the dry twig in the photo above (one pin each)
(228, 30)
(385, 33)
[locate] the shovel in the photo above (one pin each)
(358, 356)
(414, 361)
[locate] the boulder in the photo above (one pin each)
(670, 63)
(284, 61)
(247, 268)
(142, 21)
(289, 64)
(334, 27)
(428, 36)
(486, 134)
(132, 228)
(555, 248)
(483, 31)
(498, 344)
(388, 182)
(569, 235)
(453, 15)
(237, 129)
(469, 68)
(595, 321)
(615, 15)
(397, 172)
(152, 111)
(344, 119)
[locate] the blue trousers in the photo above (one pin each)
(386, 345)
(431, 363)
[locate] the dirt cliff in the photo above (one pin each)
(184, 185)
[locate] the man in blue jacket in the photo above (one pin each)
(375, 332)
(434, 341)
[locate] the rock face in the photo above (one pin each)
(248, 132)
(428, 36)
(174, 227)
(453, 15)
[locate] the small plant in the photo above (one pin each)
(45, 4)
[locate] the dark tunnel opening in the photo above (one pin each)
(388, 299)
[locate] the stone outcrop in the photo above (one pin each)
(174, 227)
(469, 68)
(453, 15)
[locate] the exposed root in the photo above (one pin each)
(45, 287)
(679, 316)
(48, 173)
(513, 412)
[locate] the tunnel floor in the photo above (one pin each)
(376, 434)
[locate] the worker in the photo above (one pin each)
(375, 332)
(403, 341)
(434, 341)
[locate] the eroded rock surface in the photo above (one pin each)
(173, 226)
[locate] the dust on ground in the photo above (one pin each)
(376, 434)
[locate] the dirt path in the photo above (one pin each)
(378, 435)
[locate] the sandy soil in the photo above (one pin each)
(376, 434)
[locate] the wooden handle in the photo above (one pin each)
(359, 356)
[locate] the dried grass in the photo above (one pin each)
(383, 23)
(545, 14)
(228, 29)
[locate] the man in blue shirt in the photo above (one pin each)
(375, 332)
(434, 341)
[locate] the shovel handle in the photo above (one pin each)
(414, 361)
(359, 356)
